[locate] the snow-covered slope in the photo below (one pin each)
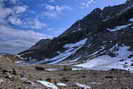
(106, 62)
(71, 49)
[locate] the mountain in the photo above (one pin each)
(102, 37)
(8, 59)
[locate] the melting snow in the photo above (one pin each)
(123, 52)
(76, 59)
(61, 84)
(83, 86)
(53, 69)
(48, 84)
(117, 28)
(56, 59)
(51, 85)
(124, 65)
(62, 56)
(106, 62)
(71, 49)
(131, 19)
(77, 44)
(98, 63)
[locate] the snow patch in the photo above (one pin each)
(83, 86)
(131, 20)
(51, 85)
(76, 59)
(77, 44)
(48, 84)
(123, 52)
(61, 84)
(53, 69)
(117, 28)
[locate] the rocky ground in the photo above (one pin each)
(25, 77)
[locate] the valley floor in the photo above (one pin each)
(62, 77)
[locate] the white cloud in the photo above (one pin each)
(50, 7)
(29, 23)
(61, 8)
(55, 31)
(36, 24)
(55, 10)
(20, 9)
(4, 12)
(11, 1)
(14, 11)
(51, 14)
(86, 3)
(51, 1)
(15, 20)
(14, 40)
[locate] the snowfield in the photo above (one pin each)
(99, 63)
(105, 62)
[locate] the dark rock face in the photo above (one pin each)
(40, 44)
(37, 48)
(96, 27)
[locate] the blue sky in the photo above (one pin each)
(24, 22)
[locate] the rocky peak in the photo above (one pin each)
(41, 43)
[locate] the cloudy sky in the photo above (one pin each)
(24, 22)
